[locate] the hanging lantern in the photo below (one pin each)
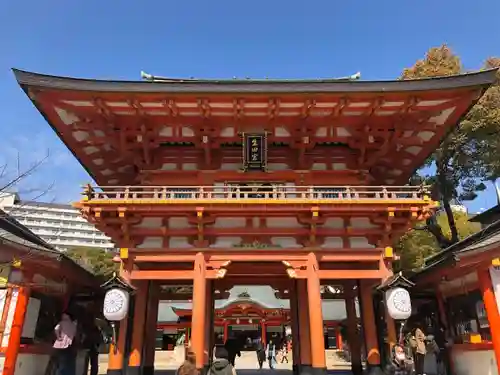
(237, 320)
(115, 306)
(398, 302)
(116, 299)
(116, 302)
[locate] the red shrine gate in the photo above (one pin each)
(191, 173)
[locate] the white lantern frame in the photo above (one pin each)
(116, 304)
(398, 303)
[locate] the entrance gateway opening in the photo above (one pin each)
(165, 153)
(248, 317)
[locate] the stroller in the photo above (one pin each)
(401, 361)
(400, 364)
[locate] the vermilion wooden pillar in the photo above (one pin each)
(209, 325)
(369, 329)
(117, 350)
(391, 331)
(5, 311)
(316, 328)
(304, 336)
(294, 317)
(199, 310)
(491, 307)
(339, 338)
(352, 331)
(226, 327)
(263, 332)
(151, 326)
(138, 328)
(23, 296)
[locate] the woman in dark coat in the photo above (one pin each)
(261, 352)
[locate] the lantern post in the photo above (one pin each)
(397, 300)
(116, 302)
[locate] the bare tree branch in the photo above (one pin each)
(3, 168)
(23, 174)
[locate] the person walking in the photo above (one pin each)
(419, 349)
(284, 351)
(271, 354)
(233, 348)
(91, 342)
(260, 350)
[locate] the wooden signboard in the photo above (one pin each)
(254, 152)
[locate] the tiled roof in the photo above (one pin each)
(481, 241)
(482, 78)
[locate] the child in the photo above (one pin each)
(399, 364)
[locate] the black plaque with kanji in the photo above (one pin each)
(254, 152)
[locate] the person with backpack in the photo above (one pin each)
(221, 365)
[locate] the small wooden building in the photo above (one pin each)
(457, 297)
(37, 285)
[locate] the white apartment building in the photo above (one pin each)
(60, 225)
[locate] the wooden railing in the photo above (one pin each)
(231, 193)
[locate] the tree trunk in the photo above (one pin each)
(445, 198)
(451, 221)
(433, 227)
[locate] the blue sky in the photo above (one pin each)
(273, 38)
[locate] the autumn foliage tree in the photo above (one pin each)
(465, 157)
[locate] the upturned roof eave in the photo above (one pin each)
(487, 232)
(476, 79)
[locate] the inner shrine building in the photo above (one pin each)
(296, 184)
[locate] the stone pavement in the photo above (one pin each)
(166, 362)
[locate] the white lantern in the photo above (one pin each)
(398, 302)
(115, 306)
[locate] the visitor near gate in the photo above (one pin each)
(221, 365)
(92, 339)
(189, 365)
(65, 332)
(284, 351)
(417, 343)
(233, 349)
(261, 352)
(271, 354)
